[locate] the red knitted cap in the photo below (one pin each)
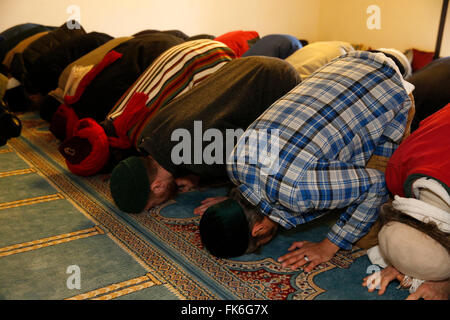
(88, 151)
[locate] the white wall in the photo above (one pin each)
(125, 17)
(404, 23)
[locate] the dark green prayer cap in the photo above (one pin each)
(129, 185)
(224, 229)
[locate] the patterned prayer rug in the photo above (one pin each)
(53, 222)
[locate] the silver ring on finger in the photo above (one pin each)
(306, 258)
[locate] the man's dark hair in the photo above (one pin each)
(388, 213)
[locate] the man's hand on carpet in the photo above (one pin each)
(380, 280)
(208, 202)
(432, 290)
(313, 253)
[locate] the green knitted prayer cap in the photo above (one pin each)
(129, 185)
(224, 229)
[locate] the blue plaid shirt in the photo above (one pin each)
(327, 128)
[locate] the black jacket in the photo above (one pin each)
(22, 62)
(44, 74)
(110, 84)
(432, 89)
(15, 34)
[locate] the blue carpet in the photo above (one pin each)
(51, 220)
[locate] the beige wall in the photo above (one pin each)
(125, 17)
(404, 23)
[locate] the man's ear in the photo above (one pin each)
(157, 187)
(259, 228)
